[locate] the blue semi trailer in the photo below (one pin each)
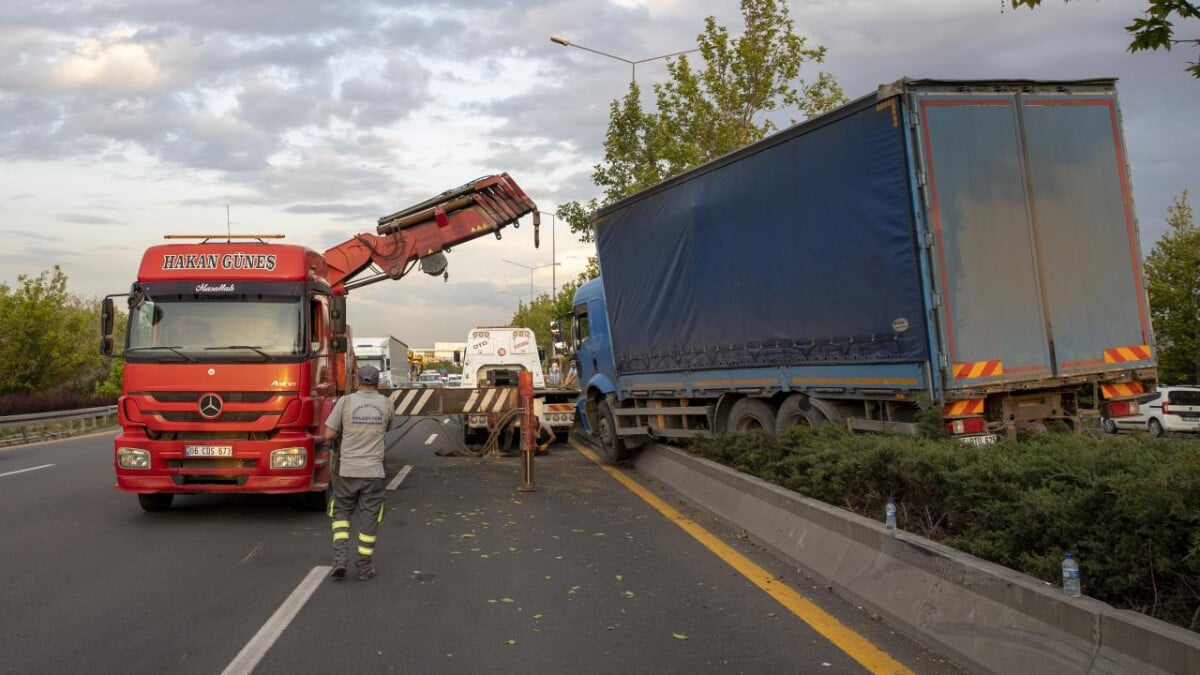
(968, 243)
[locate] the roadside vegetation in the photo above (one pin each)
(49, 348)
(1128, 507)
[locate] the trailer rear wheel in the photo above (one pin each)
(751, 414)
(796, 409)
(158, 501)
(612, 448)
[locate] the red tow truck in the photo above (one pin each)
(236, 347)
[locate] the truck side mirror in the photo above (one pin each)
(106, 317)
(457, 358)
(106, 345)
(338, 344)
(541, 354)
(337, 318)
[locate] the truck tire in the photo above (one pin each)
(795, 410)
(612, 448)
(158, 501)
(751, 414)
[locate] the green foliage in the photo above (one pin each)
(48, 338)
(700, 115)
(1173, 285)
(1129, 507)
(536, 316)
(448, 366)
(1156, 29)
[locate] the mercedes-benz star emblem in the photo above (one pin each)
(210, 405)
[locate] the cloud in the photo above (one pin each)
(26, 234)
(88, 219)
(315, 118)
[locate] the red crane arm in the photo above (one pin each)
(429, 228)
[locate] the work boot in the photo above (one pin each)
(366, 573)
(339, 571)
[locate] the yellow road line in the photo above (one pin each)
(854, 645)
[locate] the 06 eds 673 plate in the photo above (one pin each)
(208, 451)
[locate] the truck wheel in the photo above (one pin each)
(795, 410)
(1110, 427)
(751, 414)
(612, 448)
(159, 501)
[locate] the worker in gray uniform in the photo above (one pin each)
(361, 419)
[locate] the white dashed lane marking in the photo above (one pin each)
(399, 477)
(32, 468)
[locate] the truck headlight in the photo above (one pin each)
(289, 458)
(133, 458)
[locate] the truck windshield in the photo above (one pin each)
(179, 328)
(375, 361)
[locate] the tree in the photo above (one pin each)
(1155, 30)
(1173, 284)
(48, 337)
(538, 314)
(704, 114)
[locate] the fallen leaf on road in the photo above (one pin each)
(679, 636)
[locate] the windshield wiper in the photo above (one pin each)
(265, 355)
(174, 350)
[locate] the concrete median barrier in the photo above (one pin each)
(986, 617)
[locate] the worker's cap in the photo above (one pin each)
(368, 375)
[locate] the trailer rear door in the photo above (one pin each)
(1036, 259)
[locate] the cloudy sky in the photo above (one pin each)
(124, 120)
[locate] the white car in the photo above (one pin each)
(454, 380)
(430, 380)
(1169, 409)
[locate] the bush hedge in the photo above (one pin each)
(24, 404)
(1128, 507)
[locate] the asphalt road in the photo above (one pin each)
(583, 576)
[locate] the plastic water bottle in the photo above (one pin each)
(1070, 572)
(890, 517)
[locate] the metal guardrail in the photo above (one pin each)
(37, 426)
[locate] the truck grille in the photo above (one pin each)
(208, 480)
(227, 396)
(186, 416)
(225, 464)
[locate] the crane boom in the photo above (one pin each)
(425, 230)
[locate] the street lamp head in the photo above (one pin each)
(559, 39)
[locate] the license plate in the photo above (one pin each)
(208, 451)
(988, 439)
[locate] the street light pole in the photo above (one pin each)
(519, 298)
(561, 40)
(531, 271)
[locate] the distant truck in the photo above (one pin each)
(494, 357)
(971, 244)
(388, 354)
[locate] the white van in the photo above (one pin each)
(1170, 409)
